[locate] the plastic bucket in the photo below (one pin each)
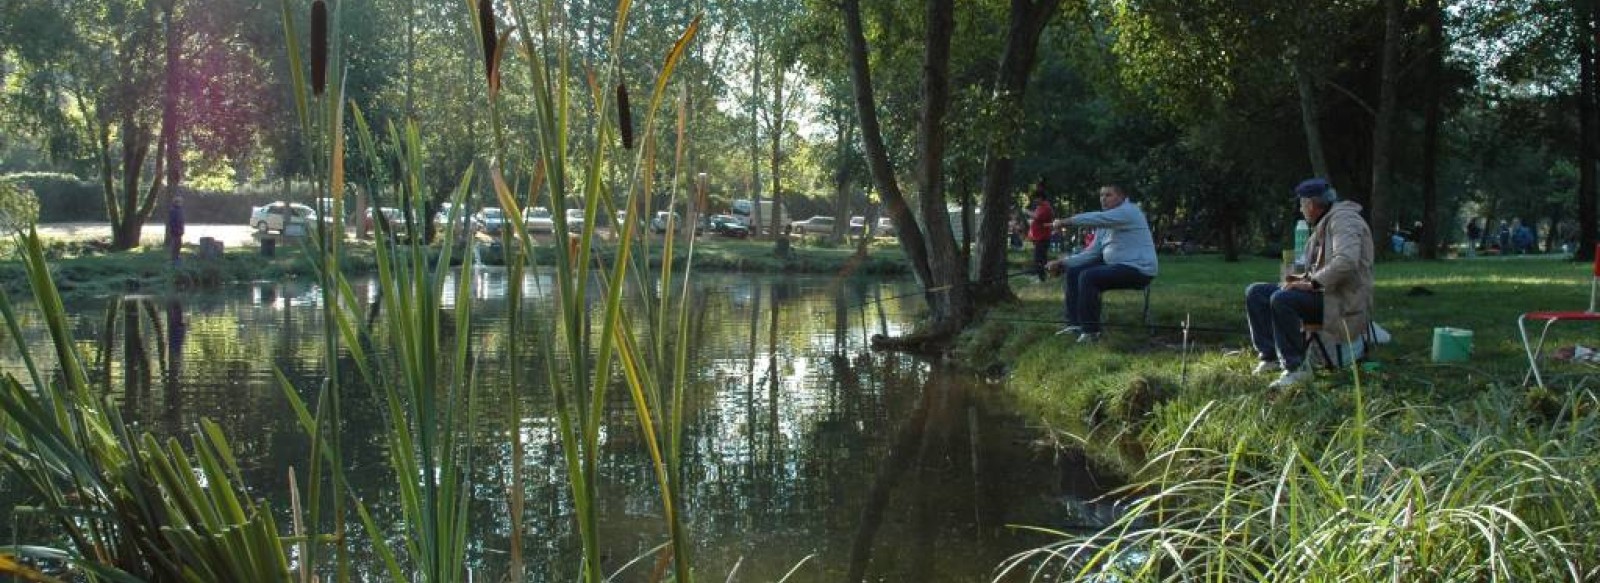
(1451, 344)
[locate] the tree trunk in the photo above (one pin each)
(1432, 228)
(1028, 19)
(1588, 124)
(131, 208)
(756, 220)
(950, 298)
(1310, 117)
(168, 151)
(843, 137)
(775, 138)
(876, 153)
(1383, 128)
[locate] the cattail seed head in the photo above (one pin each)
(486, 29)
(319, 46)
(624, 116)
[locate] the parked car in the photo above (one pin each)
(391, 214)
(858, 226)
(885, 228)
(725, 225)
(658, 224)
(574, 220)
(538, 220)
(489, 221)
(441, 219)
(622, 220)
(276, 216)
(817, 225)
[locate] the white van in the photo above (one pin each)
(745, 211)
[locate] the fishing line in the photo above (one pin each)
(1053, 322)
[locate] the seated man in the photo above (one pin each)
(1122, 256)
(1335, 290)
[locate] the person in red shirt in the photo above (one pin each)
(1040, 219)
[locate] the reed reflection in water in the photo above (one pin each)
(802, 446)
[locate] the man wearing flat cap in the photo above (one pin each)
(1335, 290)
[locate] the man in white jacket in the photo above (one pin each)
(1123, 256)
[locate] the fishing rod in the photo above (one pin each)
(1190, 328)
(942, 288)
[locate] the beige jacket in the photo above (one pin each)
(1339, 256)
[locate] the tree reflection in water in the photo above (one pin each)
(798, 440)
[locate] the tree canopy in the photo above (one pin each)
(1207, 111)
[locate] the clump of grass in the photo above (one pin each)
(1411, 494)
(130, 507)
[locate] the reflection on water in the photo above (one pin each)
(802, 447)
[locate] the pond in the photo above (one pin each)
(803, 450)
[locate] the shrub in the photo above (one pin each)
(63, 197)
(18, 205)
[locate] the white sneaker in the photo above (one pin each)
(1267, 366)
(1291, 378)
(1089, 338)
(1070, 331)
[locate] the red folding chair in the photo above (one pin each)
(1550, 318)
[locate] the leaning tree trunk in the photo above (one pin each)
(911, 240)
(1027, 23)
(950, 299)
(944, 281)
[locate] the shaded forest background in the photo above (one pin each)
(1429, 111)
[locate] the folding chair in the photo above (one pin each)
(1149, 325)
(1340, 355)
(1550, 318)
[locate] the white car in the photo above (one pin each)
(658, 225)
(489, 221)
(275, 216)
(574, 220)
(538, 220)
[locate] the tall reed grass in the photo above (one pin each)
(1405, 494)
(133, 509)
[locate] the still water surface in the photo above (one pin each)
(804, 450)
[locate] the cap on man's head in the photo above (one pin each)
(1317, 188)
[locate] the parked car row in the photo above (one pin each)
(278, 216)
(823, 225)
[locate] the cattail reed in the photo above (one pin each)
(486, 28)
(319, 46)
(624, 116)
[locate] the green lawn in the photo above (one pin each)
(1409, 471)
(1127, 376)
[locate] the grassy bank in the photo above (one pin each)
(84, 268)
(1405, 470)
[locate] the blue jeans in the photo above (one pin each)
(1083, 286)
(1275, 316)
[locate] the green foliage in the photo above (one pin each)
(131, 508)
(18, 205)
(1417, 471)
(62, 197)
